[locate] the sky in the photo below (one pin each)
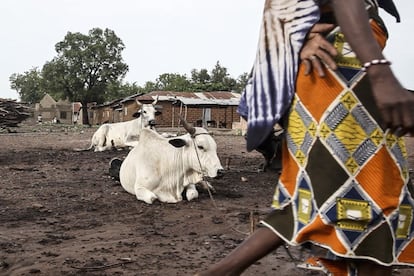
(160, 36)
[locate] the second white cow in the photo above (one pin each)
(162, 168)
(122, 134)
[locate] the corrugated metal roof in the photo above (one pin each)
(209, 102)
(131, 98)
(114, 102)
(194, 98)
(187, 98)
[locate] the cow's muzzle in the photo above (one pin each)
(152, 123)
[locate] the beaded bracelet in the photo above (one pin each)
(375, 62)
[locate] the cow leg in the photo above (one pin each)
(191, 192)
(99, 148)
(102, 148)
(144, 194)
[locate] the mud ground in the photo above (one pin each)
(62, 214)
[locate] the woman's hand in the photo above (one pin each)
(317, 50)
(395, 103)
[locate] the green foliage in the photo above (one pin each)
(201, 80)
(118, 90)
(85, 66)
(241, 82)
(220, 78)
(172, 82)
(89, 68)
(28, 85)
(150, 86)
(88, 64)
(57, 82)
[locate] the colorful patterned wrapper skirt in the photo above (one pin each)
(345, 184)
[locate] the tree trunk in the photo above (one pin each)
(85, 114)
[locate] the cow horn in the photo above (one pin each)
(138, 102)
(190, 129)
(155, 101)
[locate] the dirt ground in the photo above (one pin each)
(62, 214)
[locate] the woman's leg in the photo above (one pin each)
(259, 244)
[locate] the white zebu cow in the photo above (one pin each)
(122, 134)
(161, 168)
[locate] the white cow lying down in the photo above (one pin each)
(123, 134)
(162, 168)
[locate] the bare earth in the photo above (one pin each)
(62, 214)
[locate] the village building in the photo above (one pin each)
(63, 111)
(207, 109)
(105, 113)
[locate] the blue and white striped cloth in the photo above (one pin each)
(271, 86)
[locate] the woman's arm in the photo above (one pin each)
(395, 103)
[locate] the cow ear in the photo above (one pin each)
(178, 143)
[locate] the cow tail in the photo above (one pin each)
(87, 149)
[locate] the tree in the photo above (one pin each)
(57, 81)
(119, 90)
(85, 66)
(220, 79)
(241, 82)
(200, 80)
(28, 85)
(172, 82)
(150, 86)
